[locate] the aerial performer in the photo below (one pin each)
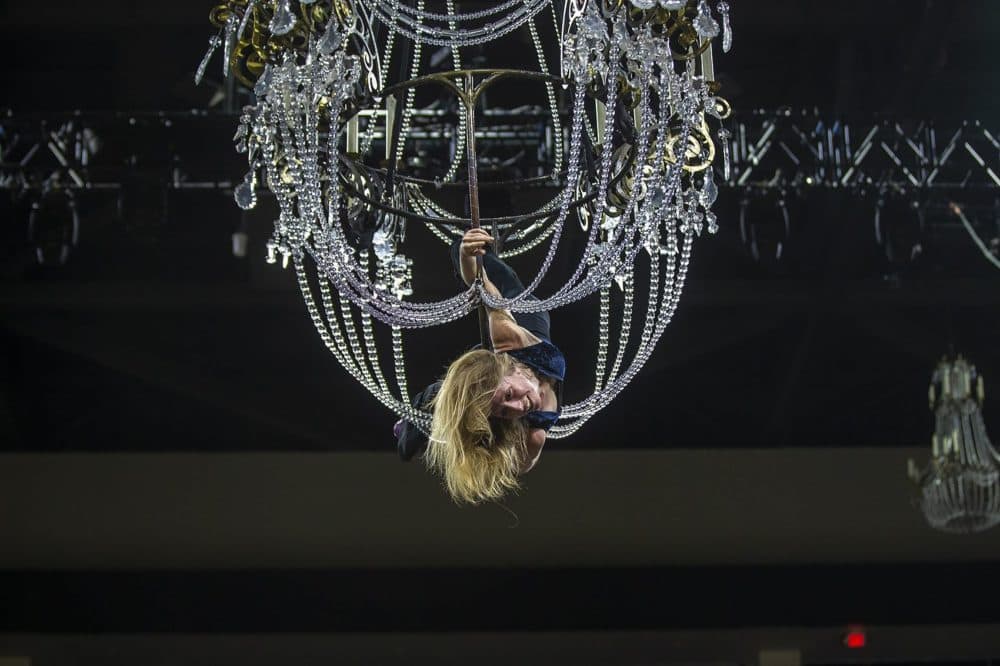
(624, 164)
(493, 408)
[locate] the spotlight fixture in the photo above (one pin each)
(53, 226)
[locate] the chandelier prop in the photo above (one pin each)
(960, 488)
(631, 175)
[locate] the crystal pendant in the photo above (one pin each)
(704, 24)
(383, 246)
(727, 32)
(673, 5)
(713, 222)
(724, 135)
(240, 138)
(263, 83)
(594, 25)
(213, 43)
(230, 42)
(330, 41)
(247, 13)
(245, 194)
(709, 192)
(283, 20)
(643, 4)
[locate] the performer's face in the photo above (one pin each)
(517, 395)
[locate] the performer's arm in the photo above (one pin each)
(504, 329)
(474, 244)
(536, 440)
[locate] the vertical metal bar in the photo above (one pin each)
(352, 135)
(707, 64)
(390, 121)
(469, 99)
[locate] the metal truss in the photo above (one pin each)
(785, 149)
(779, 149)
(774, 157)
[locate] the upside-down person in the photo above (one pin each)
(492, 409)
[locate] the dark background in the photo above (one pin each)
(153, 338)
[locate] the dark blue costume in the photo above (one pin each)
(543, 358)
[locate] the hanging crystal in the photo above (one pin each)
(673, 5)
(229, 43)
(711, 222)
(709, 192)
(724, 136)
(402, 275)
(213, 43)
(643, 4)
(283, 20)
(240, 138)
(245, 193)
(383, 245)
(704, 24)
(247, 14)
(331, 39)
(727, 32)
(263, 84)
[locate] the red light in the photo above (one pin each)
(855, 637)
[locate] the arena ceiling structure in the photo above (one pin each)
(180, 455)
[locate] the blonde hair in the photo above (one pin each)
(479, 458)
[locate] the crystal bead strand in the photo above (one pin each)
(296, 179)
(586, 408)
(573, 174)
(312, 196)
(473, 36)
(368, 334)
(574, 411)
(369, 137)
(329, 333)
(452, 17)
(404, 129)
(611, 104)
(335, 343)
(346, 317)
(602, 337)
(550, 94)
(399, 361)
(456, 62)
(592, 282)
(425, 206)
(578, 414)
(626, 325)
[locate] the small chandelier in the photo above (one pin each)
(960, 487)
(631, 173)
